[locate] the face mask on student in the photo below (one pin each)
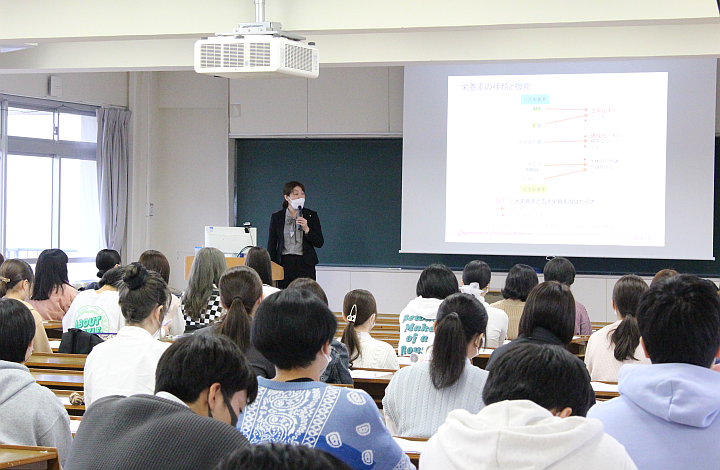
(297, 202)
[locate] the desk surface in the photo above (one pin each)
(63, 379)
(13, 456)
(57, 361)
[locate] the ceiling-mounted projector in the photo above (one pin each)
(255, 57)
(257, 50)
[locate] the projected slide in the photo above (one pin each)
(557, 159)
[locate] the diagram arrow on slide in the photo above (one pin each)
(565, 109)
(564, 174)
(563, 141)
(567, 119)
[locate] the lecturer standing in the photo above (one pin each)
(295, 232)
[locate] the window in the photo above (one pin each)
(49, 182)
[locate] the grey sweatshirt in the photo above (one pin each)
(30, 414)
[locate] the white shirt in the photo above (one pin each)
(269, 290)
(600, 359)
(124, 365)
(171, 397)
(174, 318)
(496, 331)
(95, 312)
(375, 354)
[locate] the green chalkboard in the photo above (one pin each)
(355, 185)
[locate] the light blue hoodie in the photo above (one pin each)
(666, 416)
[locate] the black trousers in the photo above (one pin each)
(295, 267)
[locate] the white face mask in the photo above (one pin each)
(326, 365)
(297, 202)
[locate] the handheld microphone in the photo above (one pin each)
(299, 212)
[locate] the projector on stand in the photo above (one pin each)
(257, 50)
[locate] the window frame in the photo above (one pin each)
(54, 148)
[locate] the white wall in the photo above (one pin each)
(181, 164)
(99, 88)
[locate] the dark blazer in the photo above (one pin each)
(311, 240)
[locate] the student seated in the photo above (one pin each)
(16, 281)
(663, 274)
(278, 456)
(436, 283)
(419, 397)
(240, 294)
(668, 413)
(338, 371)
(105, 260)
(30, 415)
(201, 301)
(618, 343)
(562, 270)
(98, 310)
(293, 329)
(153, 260)
(536, 397)
(52, 293)
(521, 279)
(258, 258)
(125, 365)
(360, 311)
(202, 385)
(476, 281)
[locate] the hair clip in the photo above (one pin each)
(353, 314)
(4, 279)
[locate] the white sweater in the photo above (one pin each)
(375, 354)
(415, 408)
(522, 435)
(599, 358)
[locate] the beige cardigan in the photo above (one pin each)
(514, 310)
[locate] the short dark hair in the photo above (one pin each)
(559, 269)
(547, 375)
(112, 277)
(437, 281)
(477, 271)
(141, 292)
(280, 456)
(258, 258)
(17, 330)
(154, 260)
(291, 326)
(519, 282)
(193, 363)
(550, 305)
(288, 189)
(460, 317)
(679, 319)
(50, 273)
(310, 285)
(106, 259)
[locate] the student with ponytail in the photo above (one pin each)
(618, 343)
(419, 397)
(16, 282)
(126, 364)
(360, 311)
(240, 294)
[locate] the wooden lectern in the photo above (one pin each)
(278, 273)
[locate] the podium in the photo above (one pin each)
(278, 273)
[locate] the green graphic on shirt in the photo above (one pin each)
(92, 319)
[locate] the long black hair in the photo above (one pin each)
(626, 296)
(50, 273)
(258, 258)
(550, 305)
(460, 318)
(240, 289)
